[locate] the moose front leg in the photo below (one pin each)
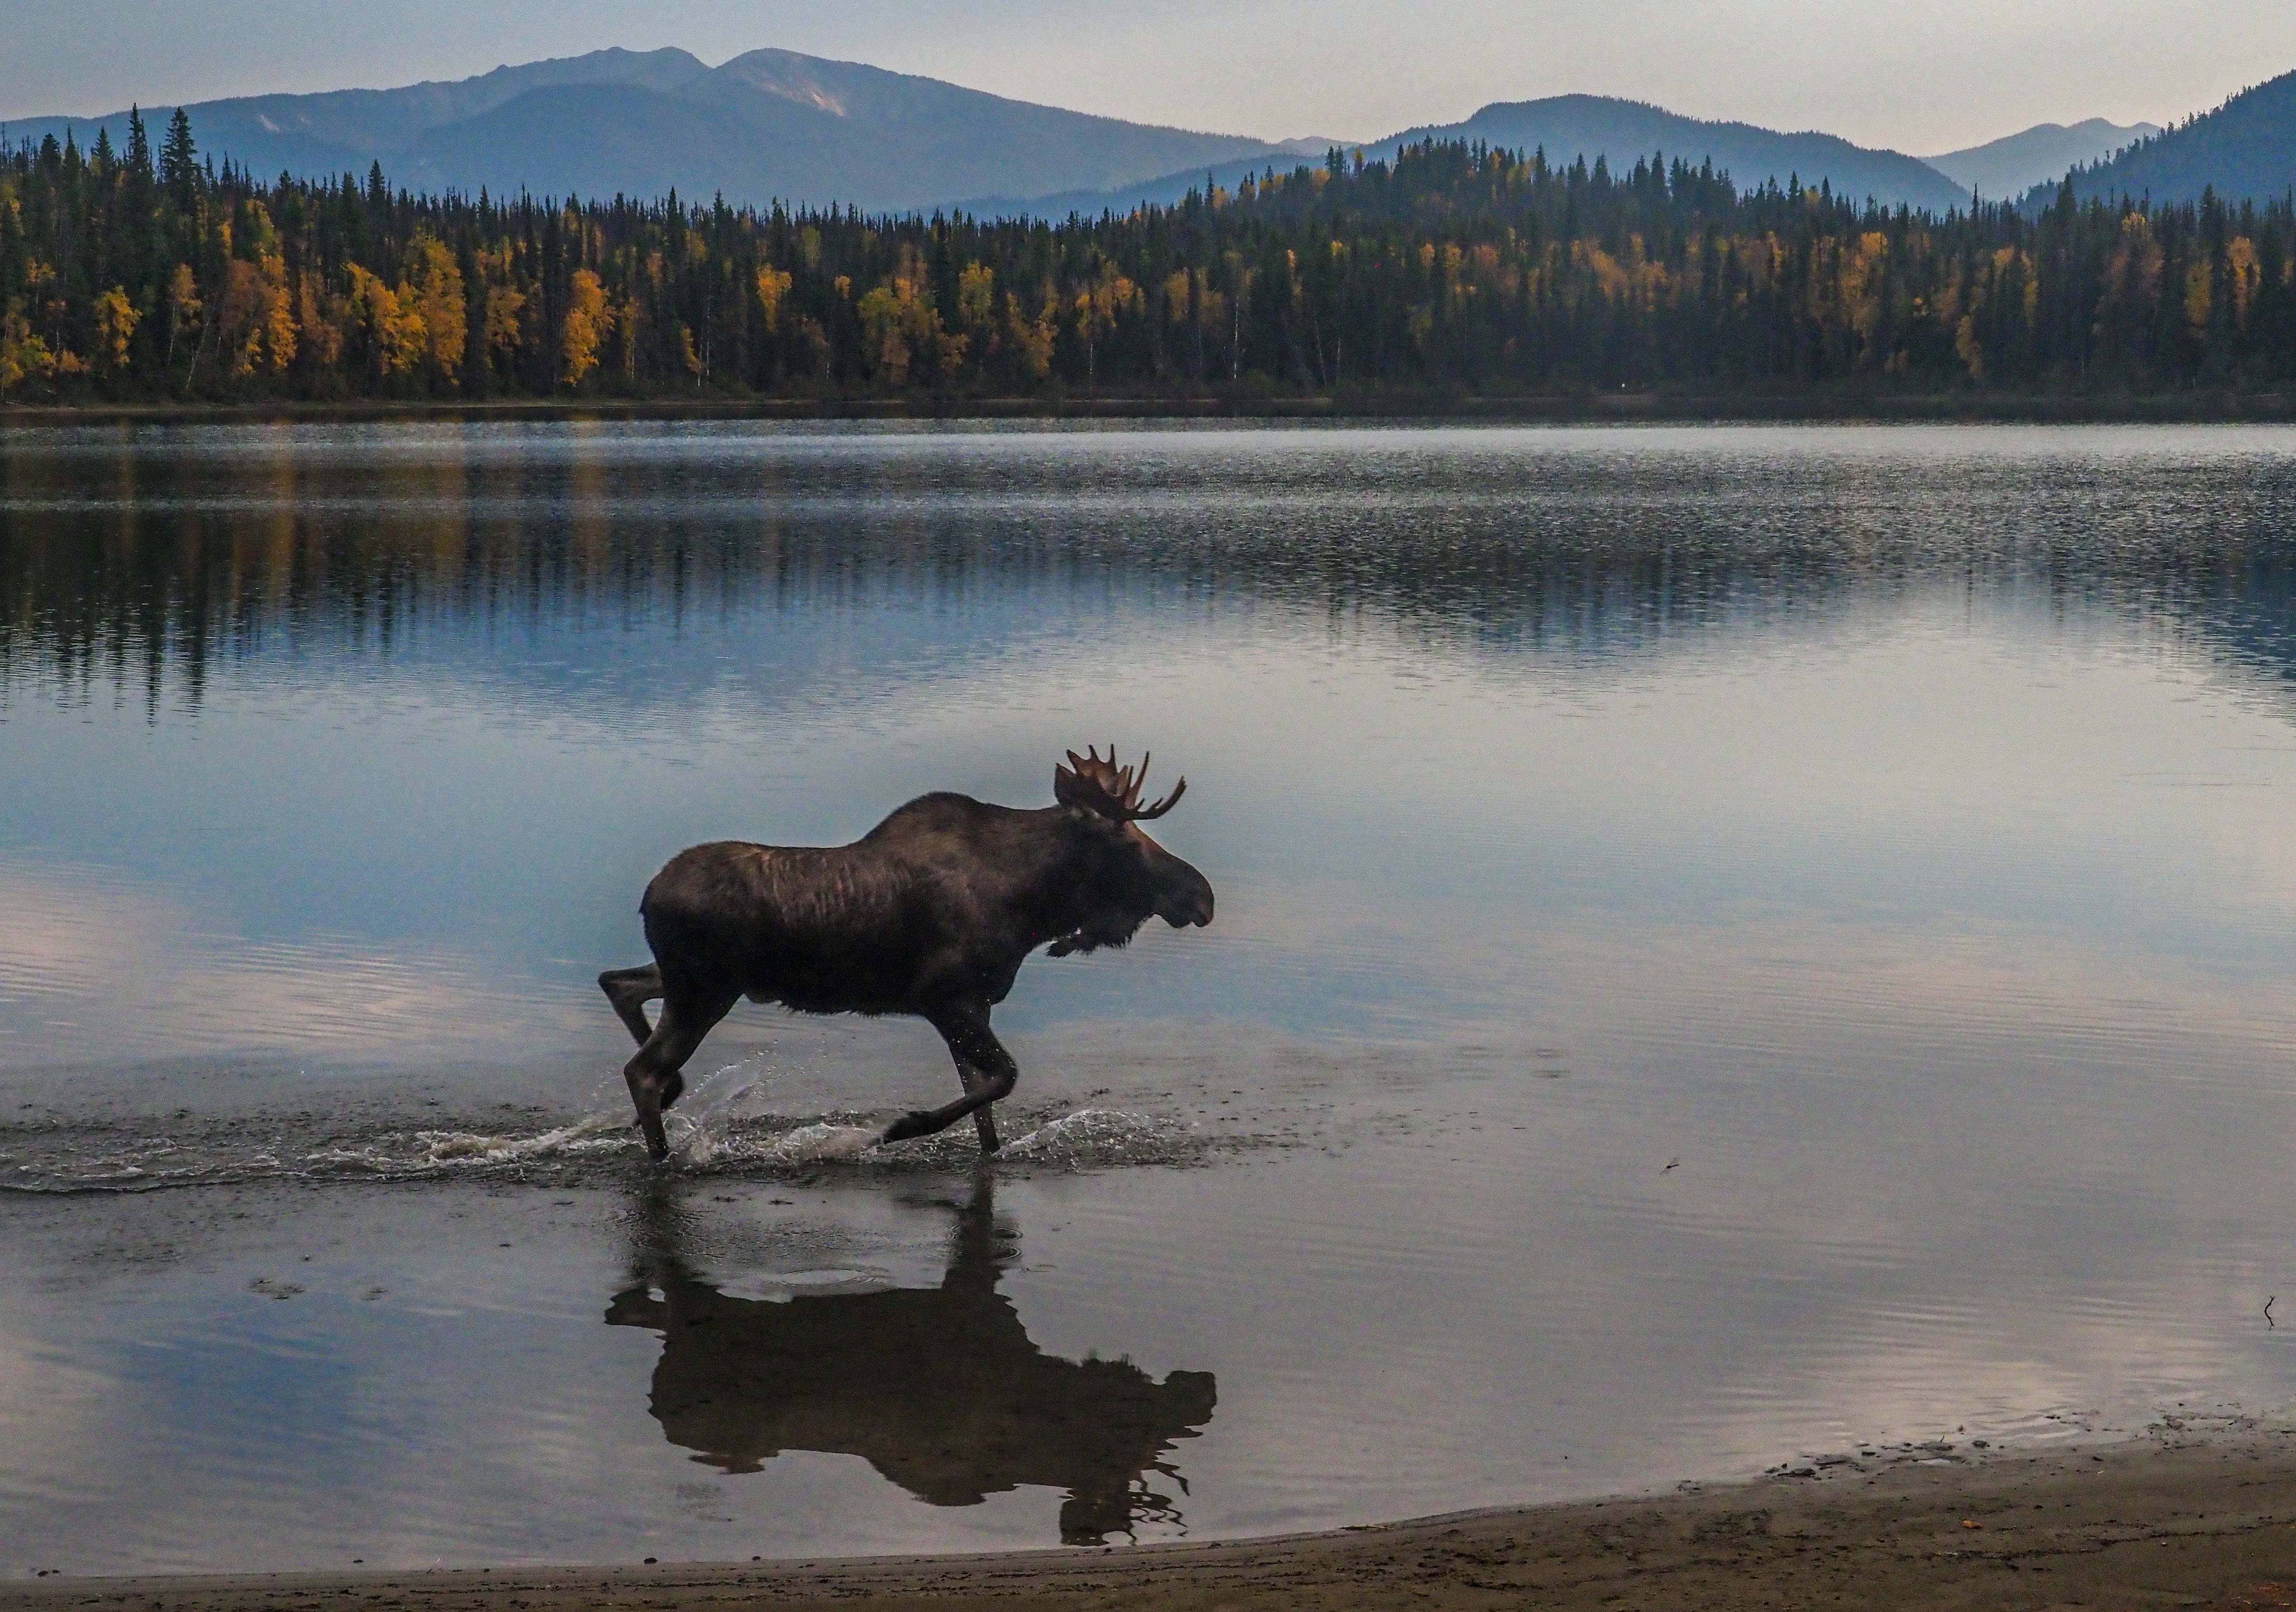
(653, 1075)
(984, 1123)
(985, 1069)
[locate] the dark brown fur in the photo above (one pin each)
(931, 912)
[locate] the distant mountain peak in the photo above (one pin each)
(1601, 129)
(791, 77)
(768, 126)
(2009, 166)
(1570, 126)
(2244, 149)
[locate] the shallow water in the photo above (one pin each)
(1733, 944)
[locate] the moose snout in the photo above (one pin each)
(1191, 905)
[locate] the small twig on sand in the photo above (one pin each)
(2269, 1324)
(1671, 1165)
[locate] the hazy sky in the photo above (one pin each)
(1920, 78)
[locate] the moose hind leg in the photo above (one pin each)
(653, 1075)
(630, 990)
(983, 1064)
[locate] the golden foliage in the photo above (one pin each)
(589, 319)
(1175, 296)
(976, 296)
(256, 324)
(394, 332)
(504, 301)
(116, 319)
(2199, 297)
(1968, 348)
(431, 286)
(321, 317)
(23, 355)
(901, 329)
(773, 285)
(1030, 341)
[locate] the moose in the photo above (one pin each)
(931, 912)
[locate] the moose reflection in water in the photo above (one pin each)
(941, 1389)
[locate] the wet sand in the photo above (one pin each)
(2167, 1520)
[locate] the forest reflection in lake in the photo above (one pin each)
(1890, 830)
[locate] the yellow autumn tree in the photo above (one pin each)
(1098, 302)
(256, 324)
(976, 298)
(894, 319)
(504, 303)
(773, 285)
(901, 328)
(1030, 340)
(431, 286)
(116, 319)
(2200, 298)
(1175, 296)
(23, 355)
(320, 317)
(589, 320)
(394, 332)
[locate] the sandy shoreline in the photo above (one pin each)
(2170, 1519)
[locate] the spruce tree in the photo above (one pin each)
(139, 143)
(179, 164)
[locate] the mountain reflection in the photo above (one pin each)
(144, 560)
(939, 1389)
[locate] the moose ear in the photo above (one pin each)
(1068, 789)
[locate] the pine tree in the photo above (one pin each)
(139, 144)
(179, 161)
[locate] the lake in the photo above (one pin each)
(1736, 946)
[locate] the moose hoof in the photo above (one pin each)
(917, 1123)
(657, 1142)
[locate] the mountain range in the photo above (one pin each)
(2006, 168)
(774, 125)
(770, 124)
(1567, 127)
(2245, 151)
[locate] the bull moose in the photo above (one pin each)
(931, 912)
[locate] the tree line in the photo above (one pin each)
(141, 275)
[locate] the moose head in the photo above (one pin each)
(1136, 878)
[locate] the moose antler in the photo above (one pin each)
(1112, 791)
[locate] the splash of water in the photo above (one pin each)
(1098, 1135)
(818, 1143)
(105, 1160)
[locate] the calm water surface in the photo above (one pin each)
(1733, 945)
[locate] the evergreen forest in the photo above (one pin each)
(150, 273)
